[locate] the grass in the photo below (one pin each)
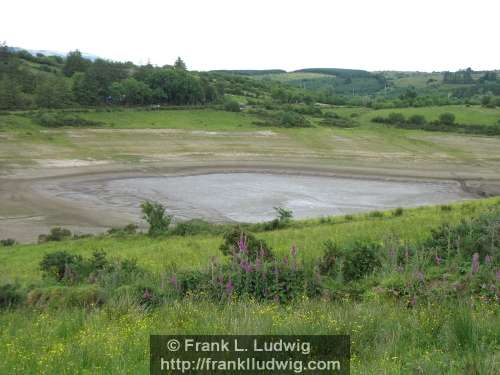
(134, 136)
(435, 337)
(474, 115)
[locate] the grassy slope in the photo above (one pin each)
(430, 339)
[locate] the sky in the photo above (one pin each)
(423, 35)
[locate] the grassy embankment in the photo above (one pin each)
(443, 334)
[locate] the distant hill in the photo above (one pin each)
(44, 52)
(250, 72)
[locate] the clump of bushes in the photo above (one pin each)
(479, 235)
(445, 123)
(259, 277)
(350, 263)
(361, 260)
(56, 234)
(8, 242)
(57, 119)
(232, 106)
(64, 267)
(334, 120)
(289, 119)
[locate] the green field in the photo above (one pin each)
(436, 336)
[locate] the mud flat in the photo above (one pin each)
(251, 197)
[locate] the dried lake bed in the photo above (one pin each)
(251, 197)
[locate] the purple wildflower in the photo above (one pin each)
(475, 263)
(173, 281)
(497, 274)
(438, 260)
(242, 244)
(488, 259)
(246, 266)
(229, 287)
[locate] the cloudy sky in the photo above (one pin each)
(423, 35)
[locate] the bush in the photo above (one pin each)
(330, 262)
(232, 106)
(60, 264)
(55, 120)
(361, 260)
(154, 214)
(339, 122)
(126, 230)
(284, 215)
(291, 119)
(417, 120)
(477, 235)
(9, 296)
(398, 211)
(194, 226)
(376, 214)
(60, 297)
(396, 118)
(56, 234)
(447, 118)
(259, 278)
(8, 242)
(237, 240)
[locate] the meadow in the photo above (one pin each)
(437, 333)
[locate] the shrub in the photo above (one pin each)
(56, 234)
(192, 227)
(339, 122)
(398, 211)
(376, 214)
(259, 278)
(59, 297)
(9, 295)
(237, 240)
(232, 106)
(8, 242)
(55, 120)
(477, 235)
(284, 215)
(154, 214)
(126, 230)
(447, 118)
(417, 120)
(291, 119)
(361, 260)
(396, 118)
(60, 264)
(331, 260)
